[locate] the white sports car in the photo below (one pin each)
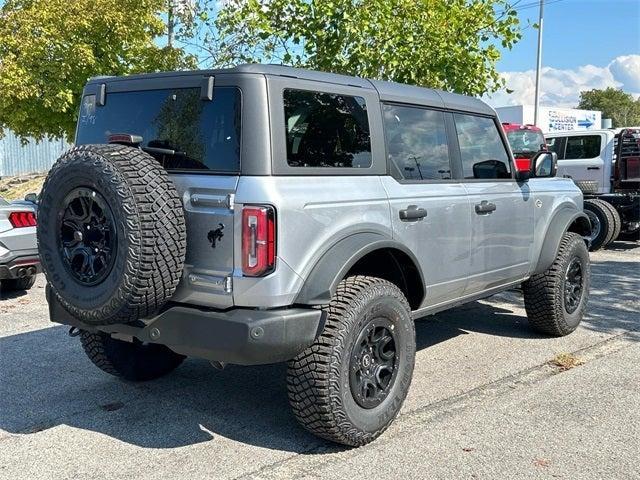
(19, 261)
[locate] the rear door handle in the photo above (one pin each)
(485, 207)
(412, 213)
(593, 168)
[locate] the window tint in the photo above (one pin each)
(556, 145)
(481, 148)
(179, 129)
(586, 146)
(417, 142)
(326, 130)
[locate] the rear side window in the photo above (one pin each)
(178, 128)
(483, 153)
(557, 145)
(417, 142)
(326, 130)
(585, 146)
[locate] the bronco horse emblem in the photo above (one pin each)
(215, 235)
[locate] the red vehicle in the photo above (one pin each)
(525, 141)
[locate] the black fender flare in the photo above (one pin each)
(335, 263)
(559, 225)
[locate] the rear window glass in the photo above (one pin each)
(326, 130)
(178, 128)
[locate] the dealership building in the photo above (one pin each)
(552, 119)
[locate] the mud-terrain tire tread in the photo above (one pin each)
(155, 230)
(17, 284)
(617, 221)
(598, 206)
(544, 292)
(133, 362)
(313, 377)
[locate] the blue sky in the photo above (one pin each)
(586, 44)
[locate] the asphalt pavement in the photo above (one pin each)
(487, 401)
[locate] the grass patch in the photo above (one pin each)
(566, 361)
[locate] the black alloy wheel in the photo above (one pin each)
(573, 285)
(87, 236)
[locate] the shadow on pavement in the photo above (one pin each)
(47, 381)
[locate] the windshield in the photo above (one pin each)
(525, 142)
(177, 127)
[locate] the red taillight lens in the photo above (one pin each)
(22, 219)
(258, 241)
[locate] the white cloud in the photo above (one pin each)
(562, 87)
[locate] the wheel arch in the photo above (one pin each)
(565, 220)
(364, 253)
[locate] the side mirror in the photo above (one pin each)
(31, 197)
(544, 164)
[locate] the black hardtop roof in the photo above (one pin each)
(388, 91)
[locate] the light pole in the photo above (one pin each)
(539, 66)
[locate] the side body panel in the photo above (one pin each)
(441, 240)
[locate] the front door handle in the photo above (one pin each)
(412, 213)
(593, 168)
(485, 207)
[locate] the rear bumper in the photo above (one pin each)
(26, 263)
(239, 336)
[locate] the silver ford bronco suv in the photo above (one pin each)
(262, 214)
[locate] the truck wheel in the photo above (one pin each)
(587, 186)
(556, 299)
(617, 221)
(350, 384)
(14, 284)
(602, 223)
(133, 361)
(111, 233)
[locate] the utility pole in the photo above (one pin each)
(170, 24)
(539, 67)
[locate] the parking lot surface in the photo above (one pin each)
(487, 401)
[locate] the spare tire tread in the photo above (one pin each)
(155, 230)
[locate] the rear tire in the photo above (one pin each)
(602, 223)
(555, 300)
(350, 384)
(617, 221)
(16, 284)
(132, 361)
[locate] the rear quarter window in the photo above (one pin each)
(326, 130)
(178, 128)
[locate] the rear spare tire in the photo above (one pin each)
(111, 233)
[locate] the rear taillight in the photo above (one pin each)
(258, 240)
(22, 219)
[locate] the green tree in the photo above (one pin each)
(447, 44)
(615, 104)
(49, 48)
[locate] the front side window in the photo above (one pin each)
(417, 142)
(483, 154)
(556, 145)
(179, 129)
(525, 143)
(326, 130)
(585, 146)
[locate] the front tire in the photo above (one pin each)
(602, 223)
(350, 384)
(132, 361)
(556, 299)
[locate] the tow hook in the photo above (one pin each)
(74, 331)
(218, 365)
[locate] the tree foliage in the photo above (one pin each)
(615, 104)
(446, 44)
(49, 48)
